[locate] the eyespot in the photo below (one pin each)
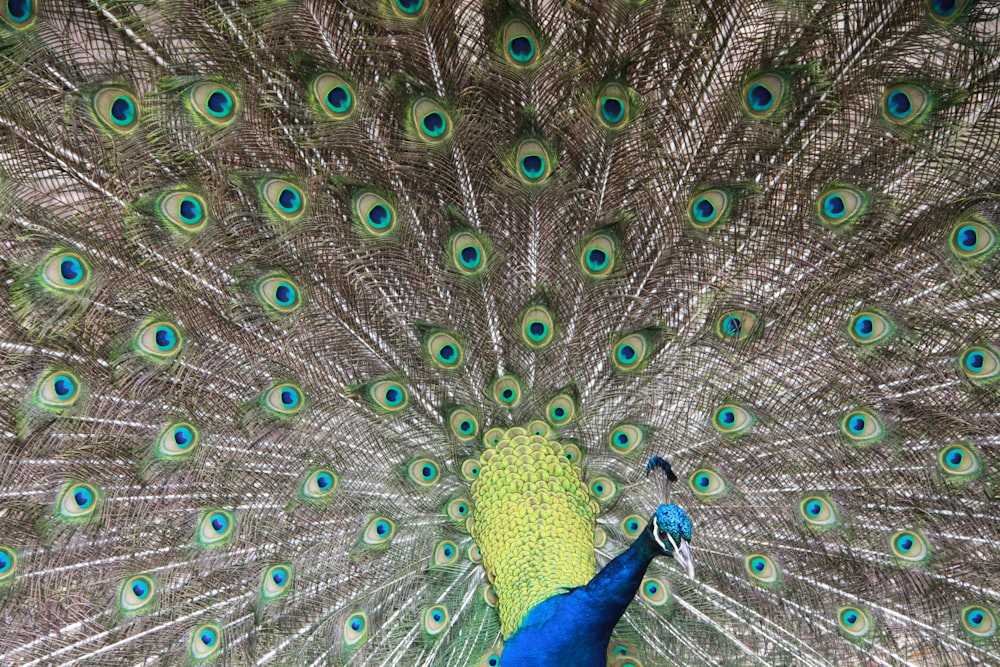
(474, 553)
(8, 563)
(631, 352)
(445, 553)
(319, 484)
(533, 162)
(443, 350)
(355, 629)
(973, 239)
(490, 596)
(536, 427)
(819, 512)
(735, 325)
(560, 410)
(655, 591)
(65, 272)
(158, 341)
(184, 211)
(378, 532)
(612, 106)
(841, 206)
(980, 364)
(464, 424)
(604, 489)
(945, 11)
(862, 427)
(854, 622)
(423, 471)
(116, 109)
(470, 469)
(959, 461)
(435, 620)
(283, 199)
(762, 570)
(732, 419)
(458, 510)
(388, 395)
(600, 537)
(632, 525)
(620, 648)
(334, 96)
(572, 452)
(408, 9)
(215, 528)
(213, 103)
(57, 390)
(491, 659)
(204, 643)
(19, 14)
(708, 484)
(709, 208)
(979, 621)
(432, 122)
(178, 441)
(77, 502)
(507, 391)
(537, 327)
(276, 582)
(278, 294)
(870, 327)
(909, 547)
(375, 213)
(599, 255)
(906, 104)
(764, 94)
(520, 44)
(492, 437)
(467, 253)
(136, 594)
(283, 400)
(625, 438)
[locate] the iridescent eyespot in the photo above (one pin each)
(355, 629)
(215, 529)
(979, 622)
(374, 213)
(432, 122)
(493, 436)
(490, 596)
(959, 461)
(177, 441)
(491, 659)
(973, 238)
(612, 106)
(275, 582)
(334, 96)
(435, 620)
(458, 510)
(319, 484)
(819, 512)
(600, 537)
(764, 94)
(735, 325)
(708, 484)
(158, 341)
(507, 391)
(282, 199)
(520, 44)
(443, 350)
(204, 643)
(870, 327)
(862, 427)
(378, 532)
(470, 469)
(981, 364)
(445, 553)
(732, 419)
(626, 438)
(631, 352)
(560, 410)
(57, 390)
(467, 252)
(213, 103)
(65, 272)
(655, 591)
(708, 208)
(136, 594)
(598, 255)
(841, 206)
(463, 423)
(762, 570)
(278, 294)
(116, 109)
(572, 451)
(533, 162)
(945, 11)
(423, 471)
(537, 427)
(19, 13)
(408, 9)
(537, 327)
(388, 395)
(604, 489)
(474, 553)
(77, 502)
(906, 104)
(909, 547)
(8, 563)
(632, 525)
(283, 400)
(854, 622)
(184, 211)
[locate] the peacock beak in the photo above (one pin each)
(682, 554)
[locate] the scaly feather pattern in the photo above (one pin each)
(341, 332)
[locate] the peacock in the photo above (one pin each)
(500, 332)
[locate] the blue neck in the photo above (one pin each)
(575, 628)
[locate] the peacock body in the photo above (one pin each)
(342, 332)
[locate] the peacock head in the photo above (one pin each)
(671, 530)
